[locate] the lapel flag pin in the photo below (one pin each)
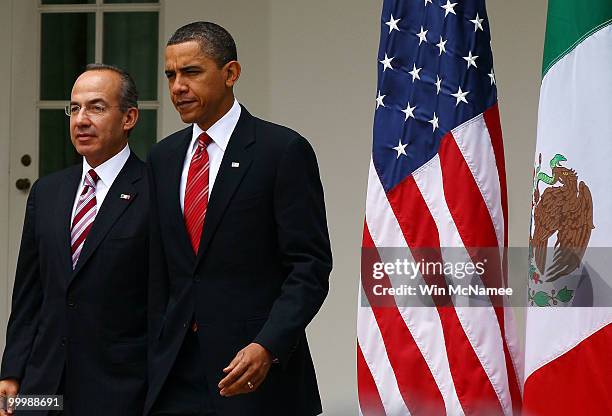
(235, 164)
(125, 196)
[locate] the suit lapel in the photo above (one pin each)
(170, 190)
(111, 209)
(229, 177)
(63, 213)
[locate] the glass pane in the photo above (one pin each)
(144, 134)
(131, 42)
(55, 149)
(67, 45)
(68, 1)
(131, 1)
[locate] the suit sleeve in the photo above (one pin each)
(27, 299)
(158, 269)
(303, 239)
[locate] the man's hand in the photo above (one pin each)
(8, 388)
(247, 371)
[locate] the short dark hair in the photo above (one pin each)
(128, 96)
(215, 41)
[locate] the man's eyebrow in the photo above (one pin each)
(188, 68)
(90, 102)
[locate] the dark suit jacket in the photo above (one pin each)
(262, 271)
(90, 321)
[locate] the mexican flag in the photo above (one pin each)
(568, 356)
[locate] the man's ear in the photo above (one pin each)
(131, 117)
(232, 70)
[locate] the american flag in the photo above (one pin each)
(436, 179)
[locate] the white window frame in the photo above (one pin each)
(99, 8)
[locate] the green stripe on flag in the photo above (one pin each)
(568, 23)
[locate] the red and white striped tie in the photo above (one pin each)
(85, 215)
(196, 192)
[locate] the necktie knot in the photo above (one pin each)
(91, 178)
(204, 140)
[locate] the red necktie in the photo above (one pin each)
(196, 192)
(84, 216)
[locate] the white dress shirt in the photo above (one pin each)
(220, 133)
(107, 172)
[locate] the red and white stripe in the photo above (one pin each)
(84, 217)
(441, 360)
(196, 191)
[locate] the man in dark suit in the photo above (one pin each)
(79, 318)
(240, 253)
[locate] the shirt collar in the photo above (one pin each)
(222, 130)
(108, 171)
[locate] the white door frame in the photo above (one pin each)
(22, 137)
(19, 116)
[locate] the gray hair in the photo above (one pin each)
(215, 41)
(128, 96)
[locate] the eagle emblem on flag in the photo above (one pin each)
(564, 208)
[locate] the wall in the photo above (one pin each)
(312, 66)
(323, 71)
(248, 22)
(518, 43)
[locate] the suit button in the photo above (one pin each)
(197, 280)
(63, 341)
(71, 303)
